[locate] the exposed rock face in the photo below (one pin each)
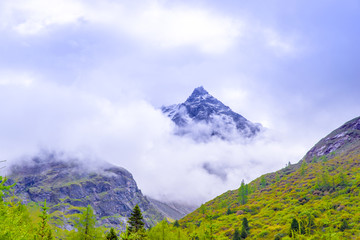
(68, 184)
(202, 116)
(344, 138)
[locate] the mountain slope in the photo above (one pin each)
(172, 210)
(69, 184)
(202, 116)
(321, 193)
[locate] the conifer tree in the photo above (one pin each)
(294, 228)
(245, 228)
(44, 231)
(236, 235)
(245, 224)
(136, 221)
(303, 168)
(243, 192)
(228, 212)
(111, 235)
(243, 233)
(86, 225)
(262, 182)
(176, 223)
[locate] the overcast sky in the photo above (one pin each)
(88, 78)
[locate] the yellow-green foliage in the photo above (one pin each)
(322, 196)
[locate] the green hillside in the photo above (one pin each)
(321, 193)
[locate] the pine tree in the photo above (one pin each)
(228, 212)
(4, 189)
(262, 182)
(44, 231)
(245, 228)
(294, 228)
(86, 225)
(243, 192)
(236, 235)
(136, 221)
(303, 168)
(111, 235)
(243, 233)
(176, 223)
(245, 224)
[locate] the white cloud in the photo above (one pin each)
(151, 23)
(148, 21)
(183, 26)
(31, 17)
(131, 134)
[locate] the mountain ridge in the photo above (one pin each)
(68, 184)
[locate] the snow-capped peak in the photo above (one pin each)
(203, 117)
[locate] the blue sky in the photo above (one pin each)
(88, 77)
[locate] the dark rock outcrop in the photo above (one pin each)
(340, 140)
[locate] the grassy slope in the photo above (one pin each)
(271, 209)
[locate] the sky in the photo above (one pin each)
(88, 78)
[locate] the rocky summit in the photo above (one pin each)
(203, 117)
(344, 138)
(69, 184)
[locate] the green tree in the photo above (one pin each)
(243, 233)
(176, 223)
(262, 182)
(44, 231)
(111, 235)
(135, 229)
(245, 228)
(303, 168)
(243, 192)
(294, 228)
(15, 221)
(136, 221)
(236, 235)
(86, 225)
(228, 212)
(3, 188)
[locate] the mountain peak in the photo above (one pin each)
(203, 116)
(198, 94)
(199, 91)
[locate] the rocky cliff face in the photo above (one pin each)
(202, 117)
(70, 184)
(346, 137)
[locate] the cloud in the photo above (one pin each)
(151, 23)
(148, 21)
(132, 134)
